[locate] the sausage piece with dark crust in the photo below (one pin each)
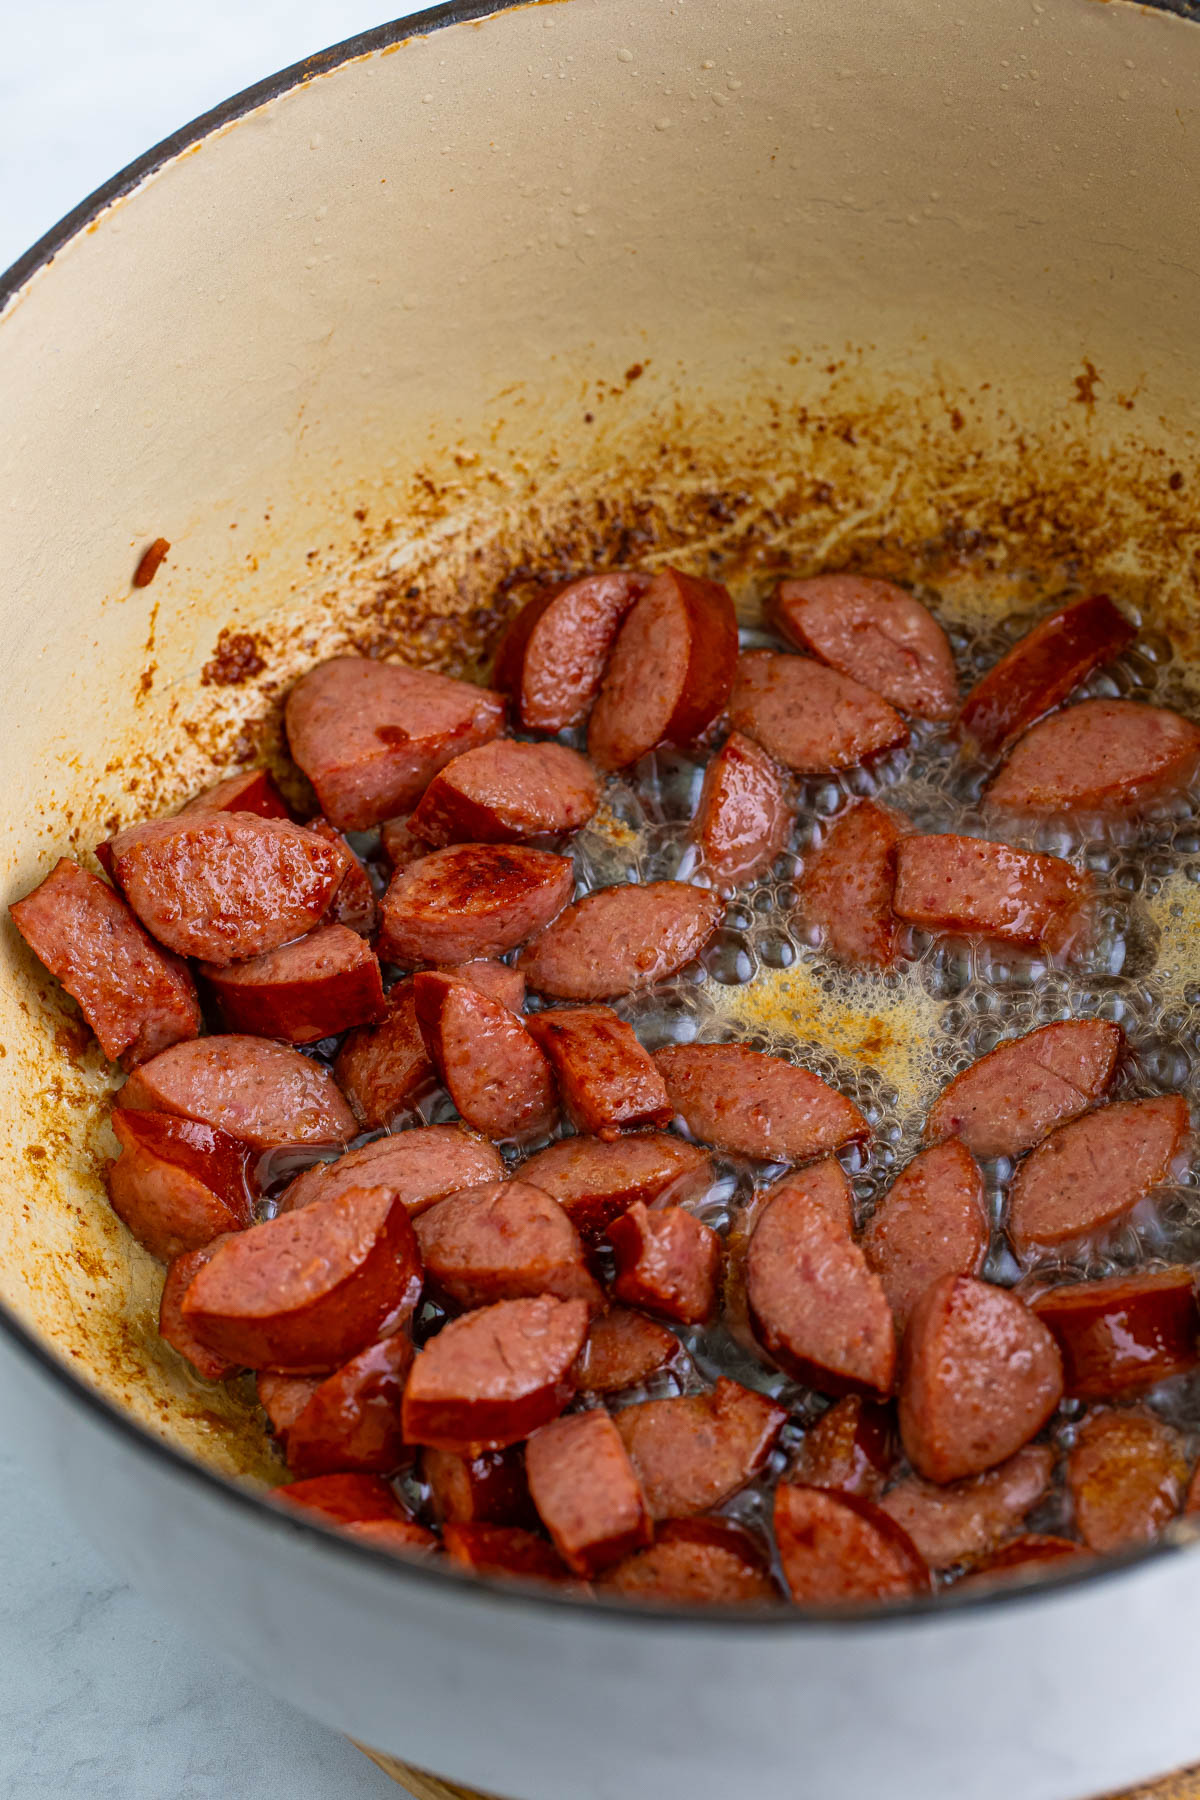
(362, 1506)
(667, 1261)
(173, 1327)
(586, 1491)
(487, 1489)
(809, 718)
(505, 1241)
(264, 1093)
(491, 1378)
(695, 1451)
(978, 888)
(177, 1184)
(489, 1062)
(315, 987)
(354, 904)
(471, 900)
(594, 1180)
(1041, 669)
(623, 1348)
(1112, 757)
(1007, 1101)
(351, 1420)
(504, 792)
(609, 1084)
(619, 940)
(850, 1447)
(932, 1221)
(835, 1548)
(384, 1069)
(1127, 1476)
(421, 1166)
(751, 1104)
(875, 632)
(1089, 1173)
(251, 790)
(742, 820)
(552, 657)
(848, 883)
(1124, 1332)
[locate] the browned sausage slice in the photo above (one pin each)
(488, 1489)
(354, 903)
(751, 1104)
(1041, 669)
(836, 1548)
(619, 940)
(808, 717)
(309, 1289)
(490, 1064)
(384, 1069)
(1090, 1172)
(495, 979)
(261, 1092)
(313, 988)
(252, 791)
(743, 819)
(667, 1261)
(177, 1184)
(968, 1518)
(1125, 1332)
(980, 1376)
(420, 1166)
(284, 1397)
(670, 671)
(370, 735)
(552, 656)
(506, 1241)
(814, 1305)
(1007, 1101)
(351, 1421)
(489, 1379)
(622, 1349)
(503, 792)
(848, 883)
(363, 1507)
(1024, 1558)
(137, 997)
(472, 900)
(979, 888)
(693, 1452)
(696, 1562)
(594, 1181)
(504, 1550)
(586, 1491)
(1127, 1476)
(173, 1327)
(608, 1083)
(932, 1221)
(1115, 757)
(849, 1447)
(398, 843)
(399, 1537)
(876, 633)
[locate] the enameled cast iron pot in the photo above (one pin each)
(902, 284)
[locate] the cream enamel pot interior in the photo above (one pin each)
(911, 285)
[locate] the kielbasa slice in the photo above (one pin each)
(487, 1489)
(354, 904)
(309, 1289)
(609, 1084)
(398, 843)
(977, 888)
(504, 1550)
(670, 671)
(1092, 1171)
(361, 1506)
(251, 791)
(384, 1069)
(1127, 1477)
(742, 821)
(261, 1092)
(848, 883)
(586, 1491)
(623, 1348)
(595, 1180)
(876, 633)
(968, 1518)
(489, 1379)
(619, 940)
(472, 900)
(835, 1548)
(177, 1184)
(1114, 757)
(315, 987)
(1041, 669)
(504, 792)
(932, 1221)
(490, 1064)
(351, 1421)
(137, 997)
(809, 718)
(371, 736)
(667, 1261)
(1007, 1101)
(849, 1447)
(751, 1104)
(495, 979)
(696, 1562)
(420, 1166)
(1024, 1558)
(284, 1397)
(980, 1376)
(694, 1451)
(174, 1329)
(399, 1537)
(1125, 1332)
(552, 656)
(505, 1241)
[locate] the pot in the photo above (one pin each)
(909, 286)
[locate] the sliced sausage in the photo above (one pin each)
(814, 1305)
(968, 1518)
(751, 1104)
(354, 903)
(1127, 1477)
(594, 1181)
(552, 656)
(932, 1221)
(1024, 1558)
(399, 1537)
(1125, 1332)
(695, 1562)
(1116, 757)
(504, 792)
(742, 821)
(487, 1489)
(623, 1348)
(586, 1491)
(1041, 669)
(667, 1261)
(505, 1241)
(693, 1452)
(174, 1329)
(619, 940)
(876, 633)
(351, 1421)
(978, 888)
(361, 1506)
(489, 1379)
(503, 1550)
(808, 717)
(490, 1064)
(1092, 1171)
(472, 900)
(261, 1092)
(251, 791)
(137, 997)
(370, 735)
(1007, 1101)
(849, 1447)
(384, 1069)
(495, 979)
(836, 1547)
(398, 843)
(177, 1184)
(226, 886)
(670, 671)
(980, 1376)
(609, 1084)
(309, 1289)
(848, 883)
(314, 988)
(284, 1397)
(420, 1166)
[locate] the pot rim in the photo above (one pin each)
(472, 1589)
